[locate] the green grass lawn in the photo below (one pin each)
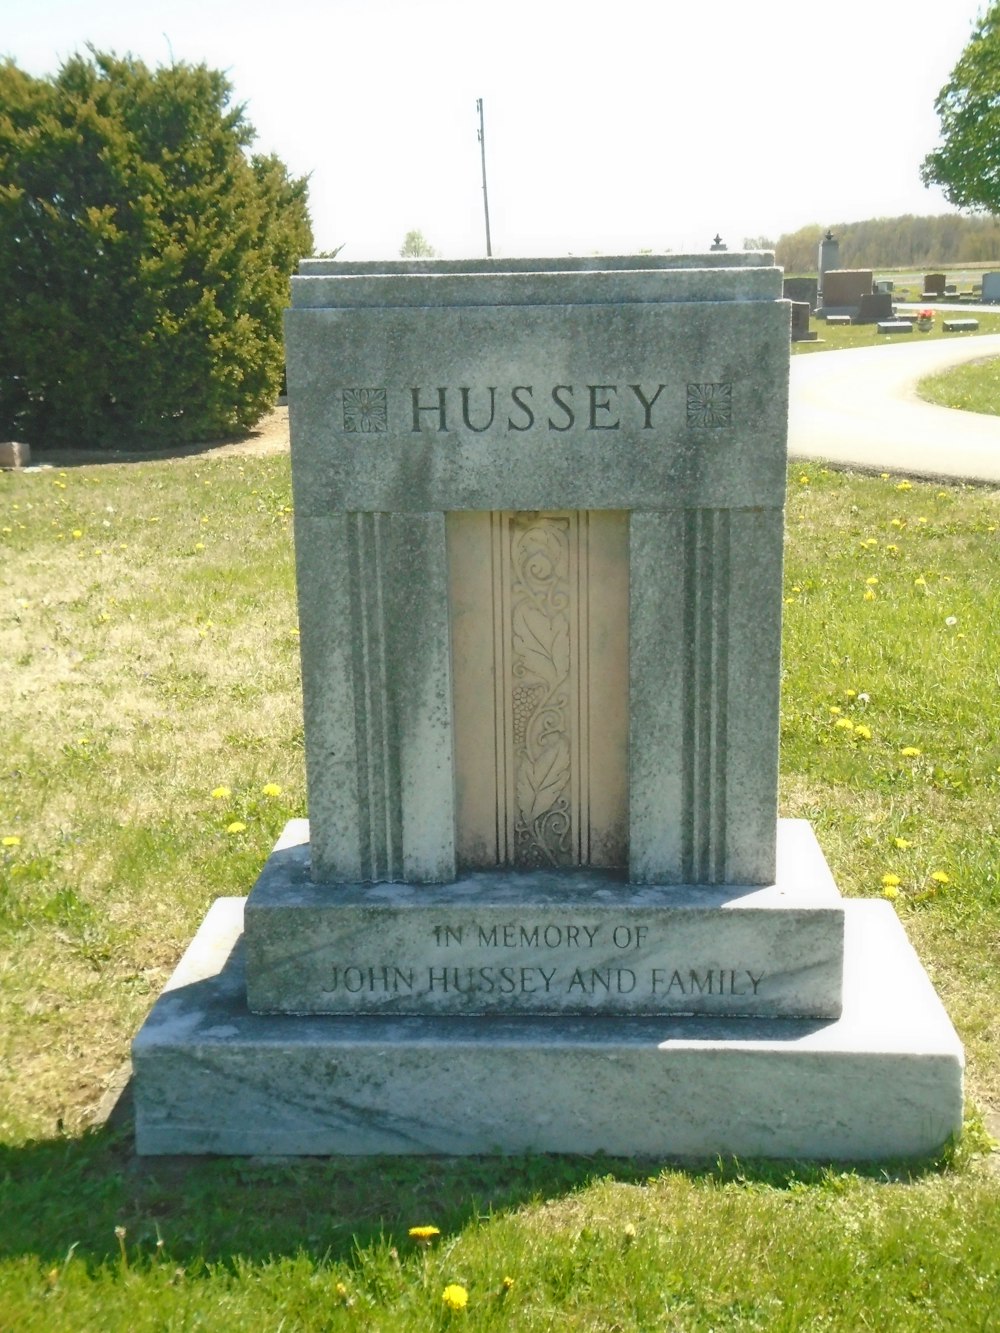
(151, 748)
(838, 338)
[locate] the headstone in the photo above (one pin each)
(717, 244)
(875, 306)
(800, 323)
(934, 284)
(894, 326)
(960, 325)
(828, 258)
(844, 288)
(13, 454)
(544, 901)
(838, 320)
(991, 288)
(884, 285)
(801, 289)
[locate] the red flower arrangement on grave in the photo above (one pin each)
(925, 314)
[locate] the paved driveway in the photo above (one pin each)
(860, 407)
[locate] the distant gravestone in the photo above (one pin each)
(801, 289)
(844, 288)
(873, 307)
(543, 901)
(13, 454)
(934, 284)
(991, 288)
(894, 326)
(800, 323)
(827, 259)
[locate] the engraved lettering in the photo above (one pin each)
(488, 938)
(418, 407)
(465, 409)
(519, 402)
(647, 403)
(601, 406)
(699, 985)
(445, 935)
(566, 407)
(755, 981)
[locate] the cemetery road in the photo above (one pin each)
(860, 407)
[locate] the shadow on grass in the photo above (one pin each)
(74, 1192)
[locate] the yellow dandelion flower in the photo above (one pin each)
(507, 1283)
(424, 1233)
(920, 582)
(835, 708)
(803, 480)
(341, 1290)
(845, 723)
(921, 519)
(910, 751)
(869, 595)
(904, 486)
(896, 523)
(904, 844)
(891, 881)
(942, 495)
(77, 533)
(851, 694)
(237, 826)
(199, 546)
(271, 789)
(864, 732)
(891, 548)
(890, 891)
(221, 793)
(871, 580)
(941, 877)
(11, 840)
(455, 1297)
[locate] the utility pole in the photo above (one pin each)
(486, 200)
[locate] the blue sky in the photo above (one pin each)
(608, 128)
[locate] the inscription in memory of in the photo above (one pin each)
(523, 407)
(628, 973)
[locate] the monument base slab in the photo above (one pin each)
(882, 1081)
(547, 941)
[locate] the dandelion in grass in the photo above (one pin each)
(897, 523)
(77, 533)
(904, 844)
(864, 732)
(455, 1297)
(11, 840)
(904, 486)
(844, 724)
(921, 519)
(271, 789)
(890, 891)
(423, 1235)
(884, 476)
(851, 694)
(803, 480)
(506, 1283)
(237, 826)
(941, 877)
(221, 793)
(199, 546)
(872, 580)
(920, 582)
(835, 709)
(891, 548)
(911, 751)
(951, 620)
(869, 595)
(891, 881)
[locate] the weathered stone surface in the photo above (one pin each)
(894, 326)
(546, 942)
(421, 392)
(960, 325)
(885, 1080)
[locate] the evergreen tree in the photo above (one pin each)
(144, 256)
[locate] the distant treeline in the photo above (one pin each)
(891, 243)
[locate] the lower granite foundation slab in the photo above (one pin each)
(884, 1080)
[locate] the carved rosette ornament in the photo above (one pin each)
(540, 669)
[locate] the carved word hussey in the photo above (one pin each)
(527, 407)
